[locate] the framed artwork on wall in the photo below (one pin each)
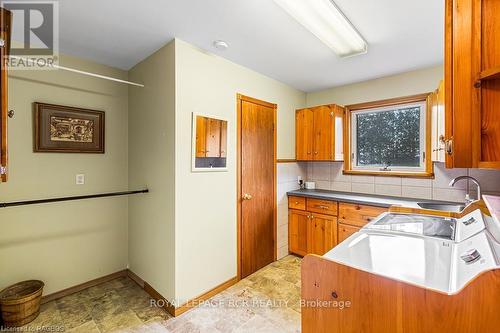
(64, 129)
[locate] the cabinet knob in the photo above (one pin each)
(11, 113)
(315, 153)
(247, 196)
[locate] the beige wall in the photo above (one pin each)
(206, 202)
(64, 244)
(151, 164)
(405, 84)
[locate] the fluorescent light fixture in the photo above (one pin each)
(325, 20)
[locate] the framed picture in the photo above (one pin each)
(64, 129)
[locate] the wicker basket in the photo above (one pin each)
(20, 303)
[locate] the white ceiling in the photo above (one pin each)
(402, 35)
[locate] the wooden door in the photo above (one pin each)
(257, 193)
(304, 134)
(323, 144)
(322, 234)
(298, 225)
(5, 30)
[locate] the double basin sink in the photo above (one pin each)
(455, 208)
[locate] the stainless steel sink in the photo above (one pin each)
(456, 208)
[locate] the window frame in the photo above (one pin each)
(426, 168)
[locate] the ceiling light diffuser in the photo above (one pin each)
(325, 20)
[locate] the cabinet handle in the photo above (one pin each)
(448, 146)
(321, 206)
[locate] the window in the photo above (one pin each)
(389, 137)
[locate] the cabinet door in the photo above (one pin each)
(304, 133)
(201, 136)
(213, 137)
(323, 119)
(298, 222)
(223, 139)
(322, 234)
(345, 231)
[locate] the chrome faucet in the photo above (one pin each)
(468, 200)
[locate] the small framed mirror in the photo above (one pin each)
(209, 152)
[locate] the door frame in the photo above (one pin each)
(239, 99)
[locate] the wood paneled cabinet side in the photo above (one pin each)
(317, 129)
(5, 34)
(472, 84)
(436, 107)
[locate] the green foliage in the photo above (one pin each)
(389, 138)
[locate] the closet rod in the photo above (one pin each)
(77, 71)
(79, 197)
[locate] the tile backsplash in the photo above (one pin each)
(328, 176)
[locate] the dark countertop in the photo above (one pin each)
(360, 198)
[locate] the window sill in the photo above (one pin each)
(389, 173)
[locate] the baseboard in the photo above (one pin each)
(83, 286)
(169, 307)
(134, 277)
(205, 296)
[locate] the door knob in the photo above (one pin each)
(247, 196)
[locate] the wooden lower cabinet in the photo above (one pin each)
(298, 232)
(345, 231)
(322, 233)
(313, 226)
(358, 215)
(311, 233)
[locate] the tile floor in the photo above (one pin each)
(267, 301)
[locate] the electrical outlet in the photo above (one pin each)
(80, 179)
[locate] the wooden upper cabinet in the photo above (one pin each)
(317, 130)
(211, 137)
(201, 136)
(5, 32)
(304, 134)
(472, 83)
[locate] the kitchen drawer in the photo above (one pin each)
(345, 231)
(326, 207)
(358, 215)
(297, 203)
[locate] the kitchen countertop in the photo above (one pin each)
(360, 198)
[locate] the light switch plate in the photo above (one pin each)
(80, 179)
